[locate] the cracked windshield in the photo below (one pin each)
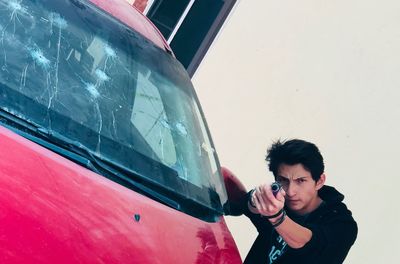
(72, 70)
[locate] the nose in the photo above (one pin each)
(290, 190)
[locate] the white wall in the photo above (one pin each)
(324, 71)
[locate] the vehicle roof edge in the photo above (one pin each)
(131, 16)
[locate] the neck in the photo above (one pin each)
(312, 206)
(316, 203)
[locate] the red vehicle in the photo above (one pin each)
(104, 153)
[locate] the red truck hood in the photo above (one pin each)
(55, 211)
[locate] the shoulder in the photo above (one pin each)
(336, 220)
(333, 206)
(334, 212)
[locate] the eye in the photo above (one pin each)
(301, 180)
(282, 180)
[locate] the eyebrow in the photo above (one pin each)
(301, 177)
(280, 176)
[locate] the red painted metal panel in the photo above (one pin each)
(54, 211)
(129, 15)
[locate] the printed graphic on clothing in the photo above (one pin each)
(277, 250)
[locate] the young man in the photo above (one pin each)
(306, 221)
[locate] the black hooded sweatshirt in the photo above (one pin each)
(333, 233)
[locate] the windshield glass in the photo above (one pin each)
(73, 70)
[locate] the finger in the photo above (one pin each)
(271, 197)
(280, 196)
(258, 194)
(266, 188)
(272, 205)
(259, 198)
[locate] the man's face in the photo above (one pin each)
(301, 190)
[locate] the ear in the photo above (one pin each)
(320, 182)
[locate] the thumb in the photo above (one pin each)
(281, 195)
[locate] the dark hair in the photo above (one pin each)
(296, 151)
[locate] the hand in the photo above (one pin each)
(265, 201)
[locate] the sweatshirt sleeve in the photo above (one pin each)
(330, 242)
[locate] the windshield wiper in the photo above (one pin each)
(105, 167)
(78, 153)
(129, 178)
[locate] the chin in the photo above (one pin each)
(295, 208)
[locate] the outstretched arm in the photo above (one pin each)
(266, 204)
